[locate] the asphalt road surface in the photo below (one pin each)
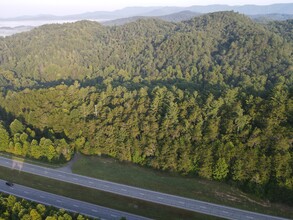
(138, 193)
(72, 205)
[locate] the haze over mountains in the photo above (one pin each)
(160, 11)
(9, 26)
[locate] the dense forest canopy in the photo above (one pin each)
(211, 96)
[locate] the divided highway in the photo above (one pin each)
(138, 193)
(72, 205)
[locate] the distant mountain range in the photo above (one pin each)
(175, 17)
(162, 11)
(187, 15)
(271, 17)
(276, 12)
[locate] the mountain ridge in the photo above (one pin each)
(93, 31)
(282, 8)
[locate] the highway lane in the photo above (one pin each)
(138, 193)
(72, 205)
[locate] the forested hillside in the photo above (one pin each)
(209, 97)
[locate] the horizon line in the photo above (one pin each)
(166, 6)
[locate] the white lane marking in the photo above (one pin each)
(181, 202)
(75, 206)
(249, 217)
(93, 210)
(225, 212)
(203, 207)
(75, 178)
(58, 201)
(60, 175)
(141, 194)
(45, 172)
(42, 197)
(123, 190)
(25, 192)
(106, 186)
(159, 197)
(114, 216)
(91, 182)
(6, 162)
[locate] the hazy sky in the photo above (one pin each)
(12, 8)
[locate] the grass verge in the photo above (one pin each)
(110, 200)
(196, 188)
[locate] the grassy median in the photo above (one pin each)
(110, 200)
(196, 188)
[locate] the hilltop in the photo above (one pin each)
(208, 97)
